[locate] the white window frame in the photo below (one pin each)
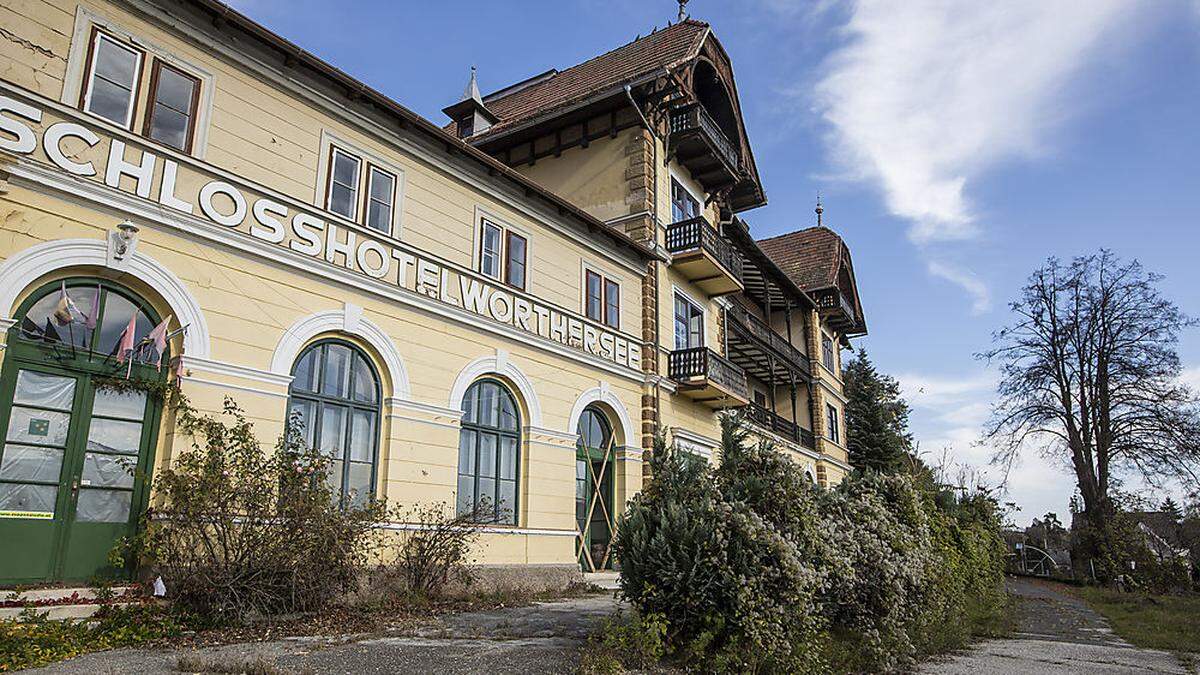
(605, 278)
(99, 36)
(483, 214)
(331, 171)
(690, 186)
(323, 184)
(372, 169)
(484, 225)
(834, 432)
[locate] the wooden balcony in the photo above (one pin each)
(706, 377)
(701, 146)
(778, 425)
(699, 253)
(756, 347)
(836, 308)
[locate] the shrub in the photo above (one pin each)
(435, 553)
(33, 640)
(244, 532)
(748, 567)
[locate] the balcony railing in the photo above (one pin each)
(831, 299)
(708, 377)
(694, 119)
(767, 336)
(694, 238)
(776, 424)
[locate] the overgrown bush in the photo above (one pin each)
(436, 551)
(242, 531)
(750, 567)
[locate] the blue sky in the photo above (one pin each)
(956, 145)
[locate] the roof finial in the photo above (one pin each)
(683, 9)
(472, 90)
(820, 209)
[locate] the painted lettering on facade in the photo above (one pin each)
(301, 229)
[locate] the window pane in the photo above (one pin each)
(42, 427)
(508, 412)
(335, 375)
(516, 260)
(304, 414)
(362, 436)
(360, 488)
(508, 457)
(24, 497)
(174, 90)
(489, 405)
(334, 476)
(22, 462)
(594, 307)
(487, 455)
(304, 374)
(341, 200)
(129, 405)
(40, 322)
(47, 391)
(365, 386)
(508, 501)
(487, 495)
(169, 126)
(103, 506)
(115, 63)
(470, 405)
(108, 470)
(466, 494)
(110, 101)
(113, 436)
(345, 170)
(612, 301)
(379, 216)
(383, 186)
(117, 311)
(333, 431)
(490, 256)
(466, 452)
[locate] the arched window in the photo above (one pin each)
(335, 394)
(89, 315)
(487, 452)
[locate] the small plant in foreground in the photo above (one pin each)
(33, 640)
(435, 552)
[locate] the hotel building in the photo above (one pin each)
(508, 308)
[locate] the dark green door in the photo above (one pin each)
(77, 451)
(594, 454)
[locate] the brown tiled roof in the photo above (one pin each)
(811, 257)
(665, 48)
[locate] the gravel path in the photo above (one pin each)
(1058, 633)
(541, 638)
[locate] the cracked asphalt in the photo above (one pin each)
(541, 638)
(1058, 633)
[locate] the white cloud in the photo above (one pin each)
(981, 297)
(926, 95)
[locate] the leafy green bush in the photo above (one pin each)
(33, 640)
(750, 567)
(244, 532)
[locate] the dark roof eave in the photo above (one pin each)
(228, 14)
(747, 244)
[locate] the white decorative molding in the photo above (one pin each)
(609, 400)
(838, 463)
(24, 268)
(234, 370)
(335, 321)
(504, 367)
(490, 529)
(697, 444)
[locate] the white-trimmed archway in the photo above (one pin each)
(502, 366)
(605, 397)
(348, 321)
(22, 269)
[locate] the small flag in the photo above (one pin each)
(89, 319)
(158, 337)
(125, 343)
(63, 312)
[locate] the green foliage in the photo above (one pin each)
(751, 568)
(242, 531)
(1150, 621)
(877, 436)
(625, 643)
(436, 553)
(33, 641)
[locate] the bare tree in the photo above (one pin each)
(1089, 368)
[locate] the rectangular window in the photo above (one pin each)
(489, 250)
(112, 79)
(612, 304)
(381, 194)
(827, 352)
(173, 97)
(689, 324)
(342, 197)
(831, 415)
(683, 205)
(594, 304)
(760, 398)
(514, 268)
